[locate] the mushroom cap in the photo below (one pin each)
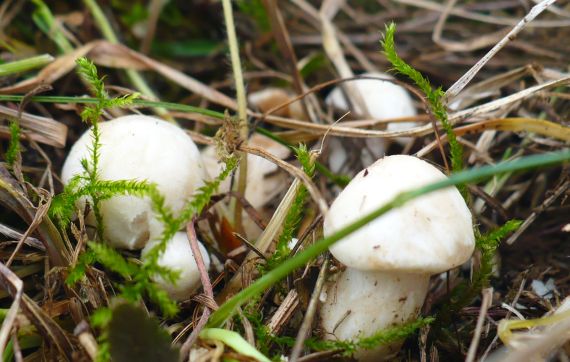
(383, 99)
(431, 233)
(178, 256)
(139, 148)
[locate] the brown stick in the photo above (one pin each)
(206, 284)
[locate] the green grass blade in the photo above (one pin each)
(136, 102)
(235, 341)
(23, 65)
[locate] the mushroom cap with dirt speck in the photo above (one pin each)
(430, 234)
(140, 148)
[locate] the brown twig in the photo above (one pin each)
(206, 284)
(485, 304)
(309, 314)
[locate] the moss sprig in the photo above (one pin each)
(295, 212)
(13, 151)
(434, 96)
(382, 337)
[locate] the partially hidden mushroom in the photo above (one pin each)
(139, 148)
(276, 98)
(178, 257)
(382, 100)
(389, 261)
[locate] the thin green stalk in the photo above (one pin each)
(45, 20)
(134, 76)
(136, 102)
(23, 65)
(434, 96)
(236, 65)
(242, 105)
(101, 21)
(227, 309)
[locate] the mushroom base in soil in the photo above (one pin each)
(399, 296)
(390, 260)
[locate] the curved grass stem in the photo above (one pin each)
(242, 106)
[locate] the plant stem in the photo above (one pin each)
(134, 76)
(136, 102)
(25, 64)
(242, 107)
(44, 19)
(227, 309)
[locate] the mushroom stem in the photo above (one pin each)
(360, 303)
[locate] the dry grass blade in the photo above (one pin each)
(11, 233)
(458, 86)
(480, 111)
(489, 87)
(43, 323)
(485, 304)
(262, 244)
(284, 42)
(15, 286)
(464, 45)
(40, 129)
(489, 19)
(293, 171)
(109, 54)
(284, 313)
(49, 329)
(536, 345)
(538, 126)
(13, 197)
(41, 212)
(310, 314)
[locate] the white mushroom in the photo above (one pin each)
(383, 100)
(139, 148)
(178, 256)
(390, 260)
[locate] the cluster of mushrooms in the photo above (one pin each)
(386, 265)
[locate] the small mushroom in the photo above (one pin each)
(383, 100)
(139, 148)
(389, 261)
(178, 256)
